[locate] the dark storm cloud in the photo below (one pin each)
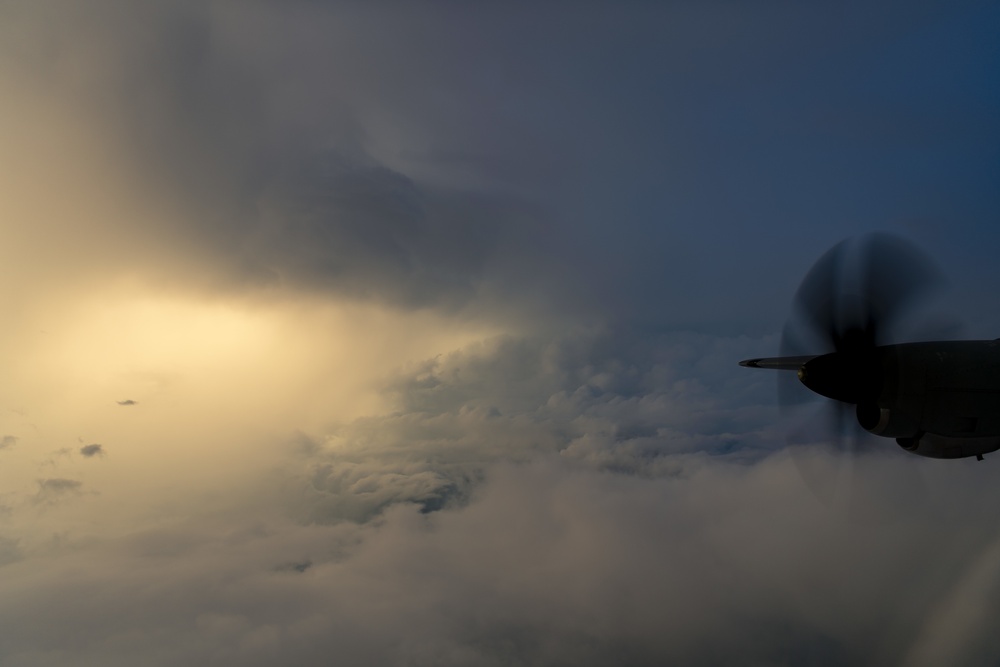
(601, 161)
(127, 401)
(7, 441)
(371, 232)
(277, 188)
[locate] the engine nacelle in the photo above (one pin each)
(885, 422)
(940, 447)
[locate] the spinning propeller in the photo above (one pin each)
(856, 297)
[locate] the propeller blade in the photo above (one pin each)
(856, 293)
(815, 303)
(894, 273)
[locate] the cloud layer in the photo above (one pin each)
(546, 565)
(571, 509)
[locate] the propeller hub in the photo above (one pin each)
(842, 376)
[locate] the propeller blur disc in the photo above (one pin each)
(858, 295)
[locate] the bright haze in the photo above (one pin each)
(344, 333)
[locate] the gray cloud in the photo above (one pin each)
(89, 451)
(9, 551)
(7, 441)
(371, 232)
(299, 567)
(348, 149)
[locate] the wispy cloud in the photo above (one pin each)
(54, 489)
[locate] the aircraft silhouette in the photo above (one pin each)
(939, 399)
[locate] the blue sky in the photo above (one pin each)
(395, 334)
